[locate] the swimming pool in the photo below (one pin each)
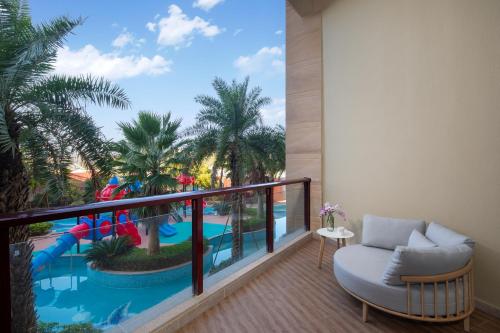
(65, 294)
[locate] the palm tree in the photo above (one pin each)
(149, 154)
(224, 127)
(266, 158)
(48, 147)
(29, 91)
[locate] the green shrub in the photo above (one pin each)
(43, 327)
(251, 211)
(40, 229)
(138, 259)
(254, 223)
(102, 252)
(79, 328)
(222, 208)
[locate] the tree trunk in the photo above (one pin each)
(213, 177)
(221, 182)
(261, 178)
(160, 215)
(14, 190)
(237, 211)
(154, 237)
(260, 204)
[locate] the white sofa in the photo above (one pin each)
(409, 269)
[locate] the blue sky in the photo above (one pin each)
(164, 53)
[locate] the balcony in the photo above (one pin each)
(200, 255)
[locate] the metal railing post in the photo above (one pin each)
(78, 241)
(197, 245)
(307, 204)
(269, 220)
(5, 312)
(113, 224)
(93, 227)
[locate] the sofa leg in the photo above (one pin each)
(365, 312)
(467, 324)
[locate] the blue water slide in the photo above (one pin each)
(167, 230)
(44, 257)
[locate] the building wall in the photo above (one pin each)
(304, 77)
(412, 117)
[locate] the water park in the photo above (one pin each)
(67, 281)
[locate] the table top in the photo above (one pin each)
(335, 233)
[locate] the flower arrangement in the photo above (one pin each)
(330, 211)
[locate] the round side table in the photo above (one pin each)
(335, 234)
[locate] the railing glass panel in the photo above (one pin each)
(288, 207)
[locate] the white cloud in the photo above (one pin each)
(123, 39)
(274, 114)
(151, 26)
(278, 32)
(89, 60)
(127, 38)
(206, 4)
(237, 32)
(266, 60)
(178, 30)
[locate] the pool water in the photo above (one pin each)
(184, 232)
(64, 293)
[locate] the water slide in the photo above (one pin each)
(103, 227)
(167, 230)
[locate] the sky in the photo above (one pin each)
(164, 53)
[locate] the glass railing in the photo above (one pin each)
(120, 264)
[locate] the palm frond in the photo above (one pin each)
(66, 91)
(6, 141)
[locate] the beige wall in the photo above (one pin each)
(412, 116)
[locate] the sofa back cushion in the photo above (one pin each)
(387, 233)
(419, 240)
(425, 261)
(443, 236)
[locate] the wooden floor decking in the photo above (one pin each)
(296, 296)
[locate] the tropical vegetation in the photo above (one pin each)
(149, 154)
(103, 252)
(52, 327)
(229, 127)
(40, 229)
(42, 120)
(137, 259)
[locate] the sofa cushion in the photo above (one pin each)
(419, 240)
(443, 236)
(425, 261)
(387, 233)
(359, 269)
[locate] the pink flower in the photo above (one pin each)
(330, 210)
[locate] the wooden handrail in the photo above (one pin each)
(43, 215)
